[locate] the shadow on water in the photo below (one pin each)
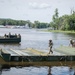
(10, 44)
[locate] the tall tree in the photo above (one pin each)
(55, 19)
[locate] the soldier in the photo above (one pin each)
(72, 42)
(50, 46)
(19, 35)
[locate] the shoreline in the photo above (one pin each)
(59, 31)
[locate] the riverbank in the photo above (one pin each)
(60, 31)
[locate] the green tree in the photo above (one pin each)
(55, 19)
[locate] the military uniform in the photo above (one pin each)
(50, 46)
(72, 43)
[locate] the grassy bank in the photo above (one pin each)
(60, 31)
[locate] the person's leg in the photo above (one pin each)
(51, 50)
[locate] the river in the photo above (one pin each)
(34, 38)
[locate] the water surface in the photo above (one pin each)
(32, 38)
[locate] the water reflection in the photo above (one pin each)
(37, 70)
(49, 71)
(4, 68)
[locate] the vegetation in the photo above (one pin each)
(11, 22)
(65, 22)
(61, 31)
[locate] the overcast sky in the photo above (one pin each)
(41, 10)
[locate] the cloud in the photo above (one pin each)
(35, 5)
(1, 1)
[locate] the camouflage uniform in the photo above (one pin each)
(50, 46)
(72, 43)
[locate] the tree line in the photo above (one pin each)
(65, 22)
(36, 24)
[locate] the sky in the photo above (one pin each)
(33, 10)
